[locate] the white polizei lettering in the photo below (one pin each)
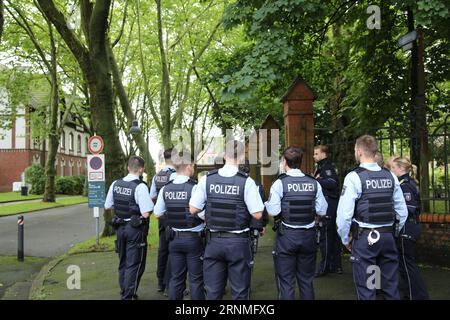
(300, 187)
(123, 191)
(224, 189)
(175, 195)
(379, 184)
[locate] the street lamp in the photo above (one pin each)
(135, 128)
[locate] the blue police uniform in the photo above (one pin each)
(297, 198)
(165, 175)
(230, 196)
(330, 244)
(130, 198)
(411, 284)
(371, 198)
(186, 243)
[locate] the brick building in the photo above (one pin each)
(18, 149)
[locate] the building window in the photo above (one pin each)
(63, 165)
(79, 144)
(71, 141)
(36, 143)
(63, 140)
(86, 145)
(71, 168)
(79, 167)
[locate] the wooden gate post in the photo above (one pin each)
(298, 121)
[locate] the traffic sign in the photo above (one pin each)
(95, 144)
(96, 167)
(96, 194)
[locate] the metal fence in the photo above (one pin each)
(395, 140)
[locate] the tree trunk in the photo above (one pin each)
(419, 153)
(2, 19)
(53, 137)
(126, 108)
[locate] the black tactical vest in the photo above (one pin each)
(298, 205)
(411, 193)
(375, 204)
(162, 177)
(123, 195)
(176, 198)
(225, 206)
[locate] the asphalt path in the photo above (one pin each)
(50, 232)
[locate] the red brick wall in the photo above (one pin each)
(14, 161)
(434, 245)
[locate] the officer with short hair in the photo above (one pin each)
(132, 205)
(158, 181)
(297, 198)
(185, 242)
(231, 199)
(370, 199)
(330, 244)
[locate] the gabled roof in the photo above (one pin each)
(298, 81)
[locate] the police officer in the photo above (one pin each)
(185, 242)
(159, 180)
(330, 244)
(257, 224)
(297, 198)
(132, 205)
(412, 282)
(231, 199)
(371, 198)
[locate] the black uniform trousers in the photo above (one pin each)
(330, 242)
(185, 256)
(295, 259)
(162, 268)
(366, 259)
(132, 249)
(227, 258)
(411, 282)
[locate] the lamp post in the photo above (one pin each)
(135, 128)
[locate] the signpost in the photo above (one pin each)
(96, 179)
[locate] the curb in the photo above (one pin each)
(38, 282)
(35, 210)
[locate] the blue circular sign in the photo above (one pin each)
(96, 163)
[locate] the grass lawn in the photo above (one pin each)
(15, 196)
(16, 277)
(7, 210)
(99, 277)
(439, 206)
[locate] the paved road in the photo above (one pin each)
(49, 232)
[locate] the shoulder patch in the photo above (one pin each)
(408, 196)
(328, 172)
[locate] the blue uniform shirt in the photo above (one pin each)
(141, 195)
(160, 206)
(273, 205)
(251, 194)
(351, 191)
(153, 193)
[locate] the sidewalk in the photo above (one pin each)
(99, 278)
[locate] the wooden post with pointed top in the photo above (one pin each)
(298, 121)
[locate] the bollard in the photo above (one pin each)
(20, 226)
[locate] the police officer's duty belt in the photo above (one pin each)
(221, 234)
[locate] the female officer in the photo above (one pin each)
(411, 280)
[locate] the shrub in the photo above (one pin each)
(64, 185)
(35, 175)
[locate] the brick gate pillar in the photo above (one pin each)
(298, 121)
